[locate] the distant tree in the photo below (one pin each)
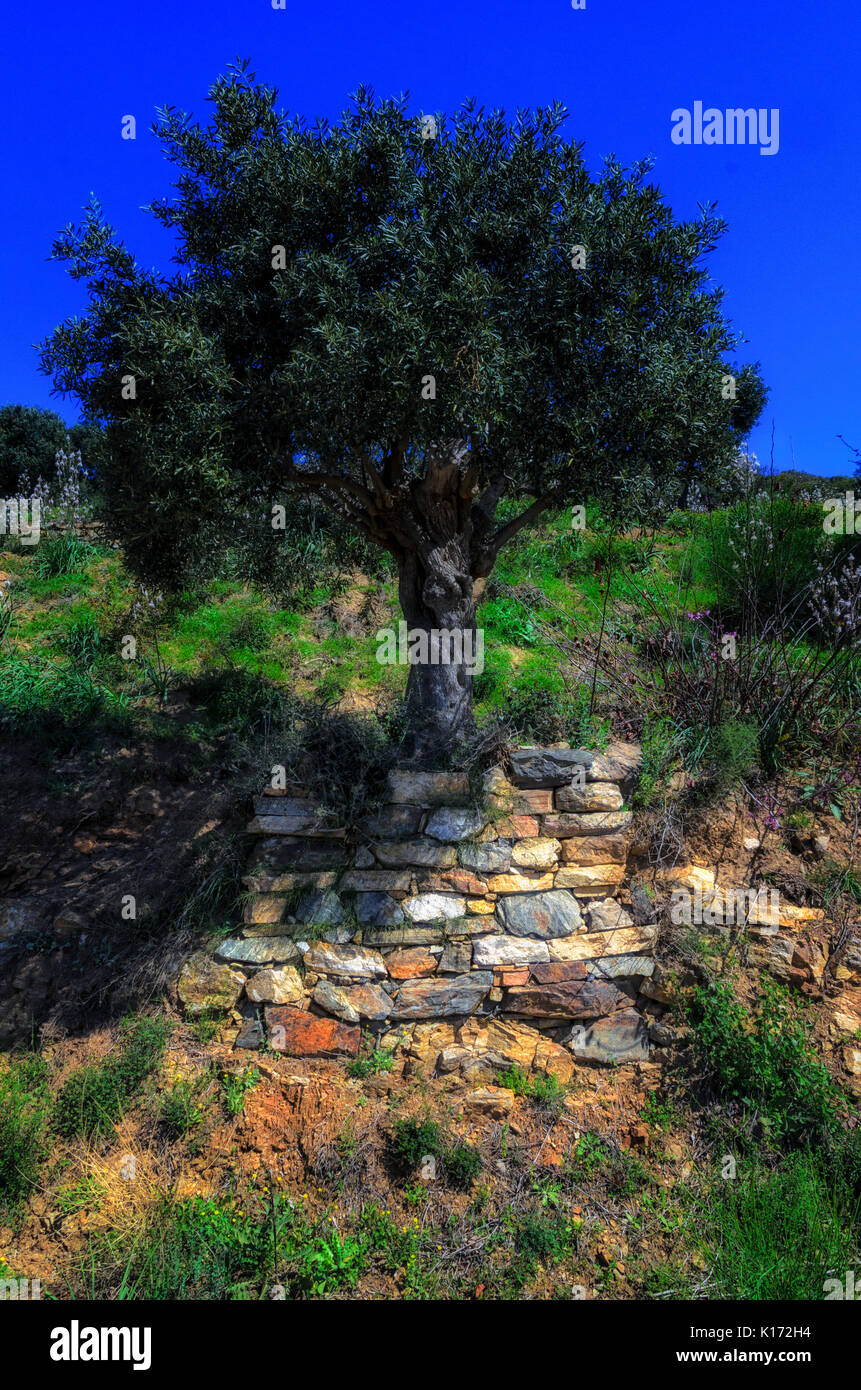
(29, 439)
(410, 320)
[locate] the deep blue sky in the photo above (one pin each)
(791, 262)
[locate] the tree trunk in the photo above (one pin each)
(436, 595)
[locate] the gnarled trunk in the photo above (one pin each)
(436, 595)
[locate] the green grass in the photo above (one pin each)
(24, 1116)
(96, 1096)
(779, 1233)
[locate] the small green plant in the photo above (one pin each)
(333, 1262)
(764, 1062)
(82, 640)
(591, 1154)
(236, 1087)
(545, 1092)
(778, 1233)
(61, 555)
(183, 1107)
(413, 1140)
(380, 1060)
(462, 1164)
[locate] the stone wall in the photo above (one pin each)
(435, 911)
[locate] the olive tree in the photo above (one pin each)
(412, 319)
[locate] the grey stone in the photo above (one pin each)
(353, 1002)
(543, 915)
(547, 767)
(326, 959)
(377, 910)
(259, 950)
(324, 909)
(456, 959)
(455, 823)
(594, 796)
(492, 857)
(434, 907)
(509, 950)
(423, 853)
(623, 1037)
(437, 998)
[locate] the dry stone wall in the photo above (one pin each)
(441, 920)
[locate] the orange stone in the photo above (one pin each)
(410, 963)
(302, 1034)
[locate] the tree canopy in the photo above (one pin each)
(410, 319)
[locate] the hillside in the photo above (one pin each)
(147, 1147)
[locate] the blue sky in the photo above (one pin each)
(790, 262)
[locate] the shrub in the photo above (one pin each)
(764, 553)
(462, 1164)
(82, 640)
(764, 1063)
(412, 1140)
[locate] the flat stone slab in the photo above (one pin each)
(623, 941)
(588, 823)
(547, 767)
(276, 985)
(620, 762)
(434, 907)
(205, 987)
(325, 909)
(306, 856)
(556, 972)
(622, 1038)
(540, 853)
(587, 879)
(258, 950)
(623, 967)
(517, 882)
(508, 950)
(437, 998)
(608, 915)
(392, 821)
(404, 936)
(377, 910)
(543, 915)
(326, 959)
(301, 1034)
(410, 963)
(351, 1003)
(594, 796)
(428, 788)
(591, 849)
(584, 999)
(492, 857)
(428, 854)
(375, 881)
(455, 823)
